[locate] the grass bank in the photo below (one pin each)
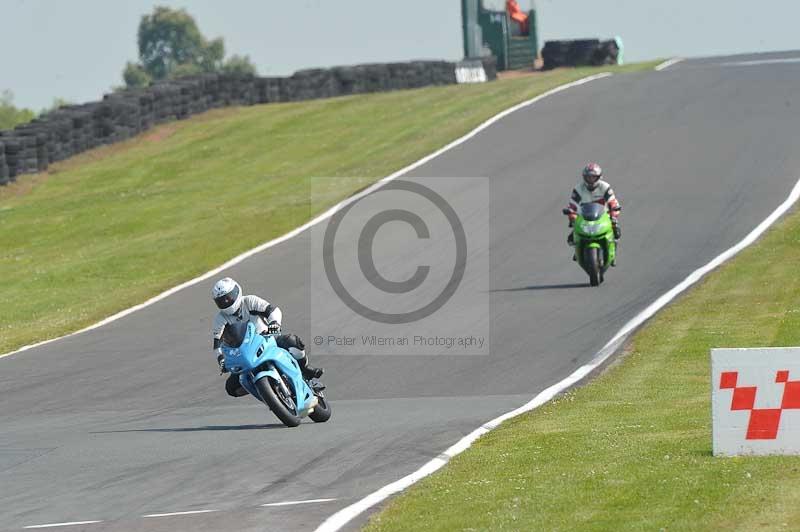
(115, 226)
(632, 449)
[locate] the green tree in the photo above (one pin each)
(239, 65)
(186, 69)
(57, 103)
(213, 54)
(11, 116)
(169, 38)
(135, 75)
(171, 45)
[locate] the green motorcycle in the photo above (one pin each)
(595, 247)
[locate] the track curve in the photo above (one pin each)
(130, 419)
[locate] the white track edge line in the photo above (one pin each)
(757, 62)
(73, 523)
(190, 512)
(292, 503)
(668, 63)
(324, 216)
(345, 515)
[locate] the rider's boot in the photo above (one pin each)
(309, 372)
(295, 346)
(617, 235)
(571, 243)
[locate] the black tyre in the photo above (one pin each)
(591, 260)
(322, 412)
(279, 401)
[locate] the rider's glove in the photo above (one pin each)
(274, 327)
(221, 362)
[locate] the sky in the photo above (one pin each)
(76, 49)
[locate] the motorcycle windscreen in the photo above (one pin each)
(591, 212)
(234, 334)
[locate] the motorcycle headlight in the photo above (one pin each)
(592, 229)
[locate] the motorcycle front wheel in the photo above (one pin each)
(591, 260)
(277, 399)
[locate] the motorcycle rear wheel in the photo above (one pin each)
(280, 407)
(322, 412)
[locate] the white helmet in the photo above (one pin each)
(591, 175)
(227, 295)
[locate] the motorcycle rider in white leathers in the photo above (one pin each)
(237, 308)
(592, 189)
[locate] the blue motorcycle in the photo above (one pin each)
(273, 376)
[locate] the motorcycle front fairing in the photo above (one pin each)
(281, 362)
(593, 229)
(257, 357)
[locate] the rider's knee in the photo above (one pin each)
(234, 387)
(293, 344)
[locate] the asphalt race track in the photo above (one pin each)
(131, 419)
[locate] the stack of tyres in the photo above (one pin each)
(4, 177)
(347, 80)
(60, 143)
(554, 54)
(15, 157)
(237, 90)
(225, 92)
(103, 127)
(405, 75)
(160, 105)
(144, 100)
(307, 84)
(21, 155)
(582, 52)
(30, 154)
(187, 101)
(211, 89)
(82, 129)
(440, 72)
(34, 155)
(246, 94)
(606, 54)
(229, 91)
(73, 129)
(268, 90)
(42, 153)
(376, 78)
(12, 149)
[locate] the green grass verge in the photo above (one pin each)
(113, 227)
(632, 449)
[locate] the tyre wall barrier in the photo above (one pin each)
(72, 129)
(582, 52)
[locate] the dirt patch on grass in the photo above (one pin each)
(160, 133)
(22, 186)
